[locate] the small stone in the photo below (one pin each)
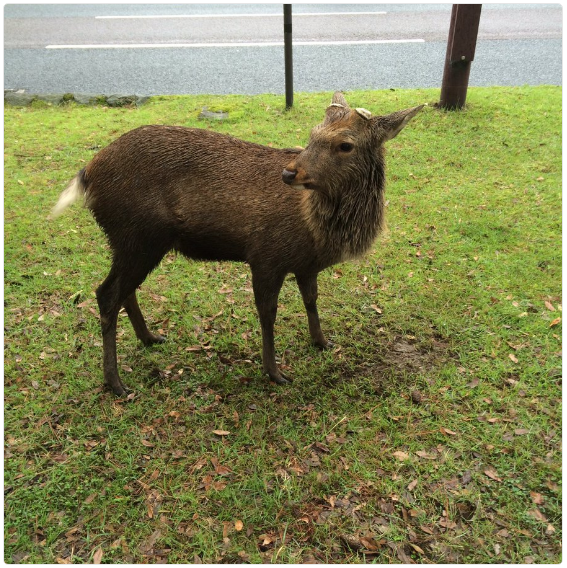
(51, 99)
(15, 98)
(140, 100)
(121, 100)
(206, 114)
(88, 99)
(125, 100)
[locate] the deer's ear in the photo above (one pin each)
(390, 126)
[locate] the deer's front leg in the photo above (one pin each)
(308, 287)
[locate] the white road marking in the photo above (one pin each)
(295, 15)
(234, 44)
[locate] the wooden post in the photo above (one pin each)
(461, 46)
(288, 57)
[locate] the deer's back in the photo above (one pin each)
(213, 196)
(166, 158)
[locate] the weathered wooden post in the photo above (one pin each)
(288, 57)
(461, 46)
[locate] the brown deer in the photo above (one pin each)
(210, 196)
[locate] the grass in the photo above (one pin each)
(431, 433)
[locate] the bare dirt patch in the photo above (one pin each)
(398, 362)
(408, 356)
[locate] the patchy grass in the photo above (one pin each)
(431, 433)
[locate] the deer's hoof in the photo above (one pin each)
(118, 388)
(153, 338)
(324, 346)
(280, 379)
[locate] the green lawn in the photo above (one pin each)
(431, 433)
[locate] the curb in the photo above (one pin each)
(20, 97)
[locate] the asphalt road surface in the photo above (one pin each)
(150, 49)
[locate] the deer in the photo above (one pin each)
(213, 197)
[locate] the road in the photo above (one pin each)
(238, 48)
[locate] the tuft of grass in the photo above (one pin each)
(431, 433)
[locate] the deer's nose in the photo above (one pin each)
(288, 176)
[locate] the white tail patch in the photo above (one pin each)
(70, 194)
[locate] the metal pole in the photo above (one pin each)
(461, 46)
(288, 56)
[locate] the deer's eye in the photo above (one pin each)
(346, 147)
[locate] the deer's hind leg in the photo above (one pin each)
(138, 323)
(127, 272)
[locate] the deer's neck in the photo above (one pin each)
(345, 226)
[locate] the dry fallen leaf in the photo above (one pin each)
(466, 477)
(148, 545)
(221, 432)
(412, 485)
(369, 543)
(266, 539)
(491, 472)
(97, 556)
(537, 498)
(400, 552)
(238, 525)
(401, 455)
(207, 481)
(351, 541)
(416, 548)
(425, 455)
(549, 306)
(90, 498)
(550, 529)
(555, 322)
(513, 358)
(376, 308)
(551, 485)
(447, 523)
(220, 469)
(537, 514)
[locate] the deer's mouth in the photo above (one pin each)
(304, 185)
(297, 178)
